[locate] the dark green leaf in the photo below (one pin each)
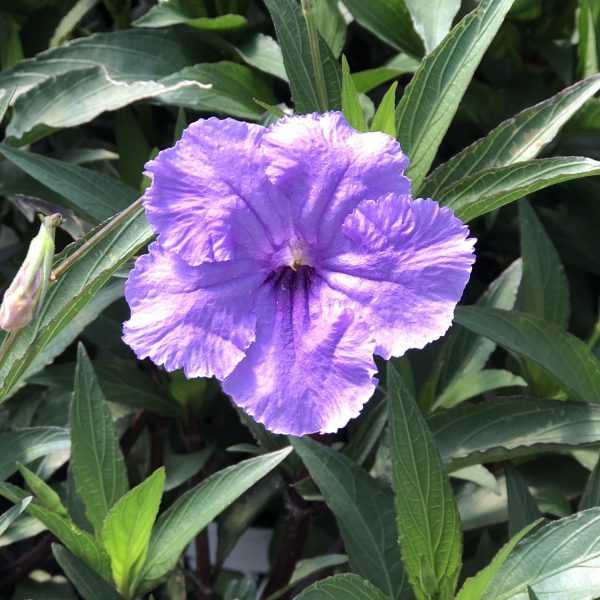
(97, 461)
(591, 492)
(342, 587)
(522, 509)
(171, 12)
(364, 512)
(426, 513)
(563, 355)
(432, 97)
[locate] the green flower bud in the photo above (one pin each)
(28, 288)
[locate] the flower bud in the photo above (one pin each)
(28, 288)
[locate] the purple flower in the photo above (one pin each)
(287, 256)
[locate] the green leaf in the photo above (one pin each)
(384, 119)
(342, 587)
(182, 467)
(87, 582)
(331, 24)
(71, 20)
(479, 475)
(127, 528)
(473, 383)
(432, 97)
(90, 194)
(390, 21)
(426, 513)
(519, 138)
(562, 355)
(505, 428)
(364, 512)
(134, 149)
(42, 491)
(544, 290)
(263, 52)
(12, 513)
(96, 458)
(68, 296)
(522, 509)
(485, 191)
(350, 103)
(25, 445)
(532, 594)
(591, 493)
(78, 542)
(193, 511)
(432, 19)
(475, 586)
(589, 37)
(292, 35)
(5, 98)
(559, 559)
(398, 65)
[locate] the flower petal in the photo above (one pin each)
(210, 198)
(325, 168)
(196, 318)
(311, 367)
(402, 264)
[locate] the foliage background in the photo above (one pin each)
(505, 404)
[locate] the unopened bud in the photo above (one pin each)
(28, 288)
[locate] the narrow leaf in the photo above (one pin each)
(589, 37)
(426, 513)
(384, 119)
(432, 97)
(591, 493)
(342, 587)
(364, 512)
(46, 496)
(433, 19)
(522, 509)
(5, 98)
(12, 513)
(97, 461)
(127, 528)
(350, 103)
(562, 355)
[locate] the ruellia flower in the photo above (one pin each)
(286, 258)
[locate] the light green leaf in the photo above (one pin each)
(364, 512)
(6, 95)
(25, 445)
(589, 37)
(432, 19)
(71, 20)
(398, 65)
(565, 357)
(522, 509)
(519, 138)
(350, 103)
(42, 491)
(473, 383)
(544, 290)
(263, 52)
(475, 586)
(432, 97)
(12, 513)
(477, 474)
(78, 542)
(96, 458)
(292, 35)
(90, 194)
(127, 528)
(342, 587)
(331, 24)
(384, 119)
(87, 582)
(505, 428)
(390, 21)
(559, 560)
(426, 513)
(68, 296)
(485, 191)
(193, 511)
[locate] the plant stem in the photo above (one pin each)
(313, 38)
(98, 236)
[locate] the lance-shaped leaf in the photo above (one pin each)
(519, 138)
(193, 511)
(351, 107)
(558, 560)
(426, 512)
(97, 461)
(488, 190)
(565, 357)
(342, 587)
(12, 513)
(432, 97)
(522, 509)
(505, 428)
(589, 37)
(292, 35)
(433, 19)
(364, 512)
(591, 492)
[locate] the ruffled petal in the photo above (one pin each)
(325, 168)
(402, 265)
(210, 198)
(311, 367)
(198, 318)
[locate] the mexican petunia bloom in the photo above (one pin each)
(286, 257)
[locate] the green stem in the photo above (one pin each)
(313, 38)
(99, 235)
